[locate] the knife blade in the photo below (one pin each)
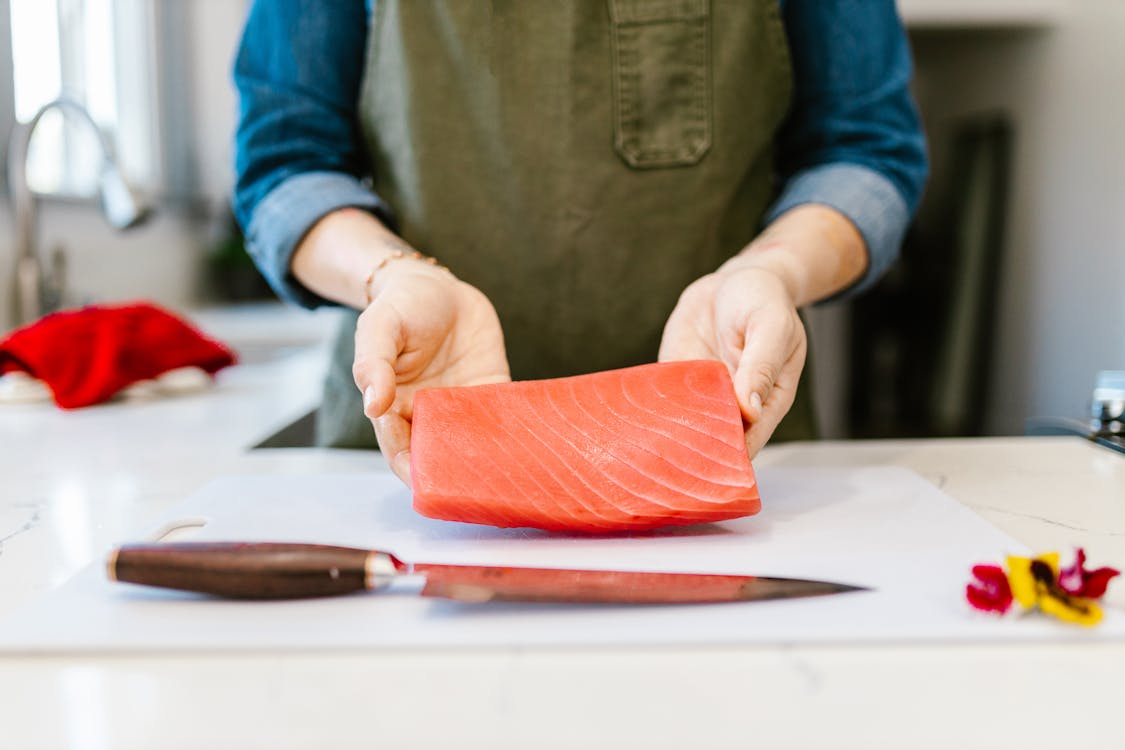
(269, 570)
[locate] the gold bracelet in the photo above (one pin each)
(396, 255)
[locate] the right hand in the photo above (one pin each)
(424, 328)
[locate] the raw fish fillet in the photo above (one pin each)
(624, 450)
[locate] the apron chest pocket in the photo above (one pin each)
(661, 81)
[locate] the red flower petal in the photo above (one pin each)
(991, 575)
(1096, 581)
(1071, 578)
(1088, 584)
(991, 591)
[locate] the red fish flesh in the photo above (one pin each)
(624, 450)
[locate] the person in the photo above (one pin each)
(523, 189)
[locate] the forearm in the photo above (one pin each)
(814, 249)
(335, 259)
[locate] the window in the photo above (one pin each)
(99, 54)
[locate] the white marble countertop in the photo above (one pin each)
(75, 483)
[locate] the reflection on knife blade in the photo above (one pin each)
(474, 583)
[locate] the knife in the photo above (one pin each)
(268, 570)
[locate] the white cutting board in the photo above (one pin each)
(885, 528)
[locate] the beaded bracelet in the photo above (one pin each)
(396, 255)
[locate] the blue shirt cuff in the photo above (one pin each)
(287, 213)
(870, 200)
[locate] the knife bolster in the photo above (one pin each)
(380, 568)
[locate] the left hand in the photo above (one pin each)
(745, 317)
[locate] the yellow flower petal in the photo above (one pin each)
(1024, 588)
(1080, 611)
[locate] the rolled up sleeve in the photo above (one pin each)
(286, 214)
(853, 139)
(299, 154)
(866, 197)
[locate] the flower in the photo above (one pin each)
(1090, 584)
(990, 592)
(1070, 594)
(1035, 583)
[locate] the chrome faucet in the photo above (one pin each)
(35, 295)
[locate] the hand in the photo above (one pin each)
(745, 317)
(424, 328)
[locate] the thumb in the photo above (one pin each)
(378, 387)
(378, 342)
(765, 352)
(392, 431)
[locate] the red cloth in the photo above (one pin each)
(86, 356)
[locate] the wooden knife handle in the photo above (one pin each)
(263, 570)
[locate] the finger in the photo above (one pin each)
(392, 431)
(378, 343)
(768, 347)
(379, 391)
(782, 395)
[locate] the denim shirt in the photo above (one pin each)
(852, 139)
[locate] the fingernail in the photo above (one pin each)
(368, 399)
(756, 402)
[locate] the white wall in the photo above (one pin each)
(1062, 301)
(216, 28)
(161, 260)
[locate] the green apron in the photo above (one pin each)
(581, 162)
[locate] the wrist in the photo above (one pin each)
(815, 249)
(770, 257)
(397, 262)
